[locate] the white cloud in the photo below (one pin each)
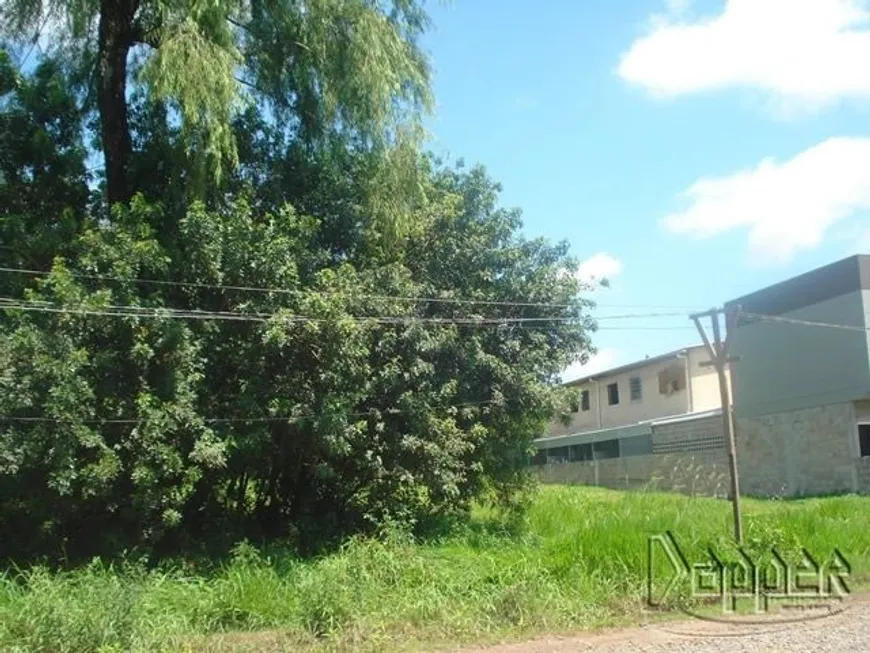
(599, 266)
(603, 360)
(676, 7)
(804, 52)
(788, 206)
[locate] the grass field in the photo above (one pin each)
(578, 561)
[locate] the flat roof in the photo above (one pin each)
(833, 280)
(625, 431)
(632, 366)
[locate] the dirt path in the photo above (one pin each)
(848, 630)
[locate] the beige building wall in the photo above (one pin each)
(704, 388)
(652, 403)
(582, 420)
(700, 394)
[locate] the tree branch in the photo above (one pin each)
(250, 85)
(149, 37)
(240, 25)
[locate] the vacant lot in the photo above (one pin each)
(577, 561)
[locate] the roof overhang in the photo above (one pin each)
(677, 353)
(627, 431)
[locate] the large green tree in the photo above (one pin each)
(330, 70)
(340, 406)
(256, 358)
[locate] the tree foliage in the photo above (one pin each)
(43, 179)
(346, 72)
(248, 363)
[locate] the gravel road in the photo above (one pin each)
(844, 632)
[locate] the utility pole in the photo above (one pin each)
(718, 351)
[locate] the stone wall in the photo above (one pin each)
(688, 455)
(703, 473)
(862, 413)
(811, 451)
(801, 452)
(863, 475)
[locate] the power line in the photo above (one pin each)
(129, 311)
(172, 313)
(137, 310)
(286, 291)
(791, 320)
(646, 328)
(7, 303)
(231, 420)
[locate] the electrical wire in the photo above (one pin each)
(231, 420)
(286, 291)
(791, 320)
(8, 303)
(135, 310)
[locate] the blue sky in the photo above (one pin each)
(692, 150)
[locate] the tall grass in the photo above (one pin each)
(578, 561)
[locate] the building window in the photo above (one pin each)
(575, 404)
(605, 449)
(540, 458)
(613, 394)
(635, 388)
(558, 455)
(672, 379)
(580, 452)
(864, 439)
(584, 400)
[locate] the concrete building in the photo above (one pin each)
(657, 406)
(667, 385)
(801, 399)
(802, 389)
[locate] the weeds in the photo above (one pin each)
(577, 560)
